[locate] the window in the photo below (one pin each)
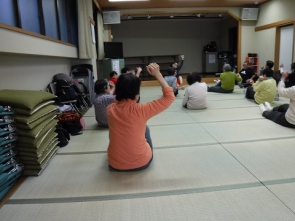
(53, 18)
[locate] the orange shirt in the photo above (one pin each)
(127, 119)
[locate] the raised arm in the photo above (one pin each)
(154, 70)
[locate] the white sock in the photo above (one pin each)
(268, 106)
(262, 108)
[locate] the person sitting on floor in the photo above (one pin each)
(264, 89)
(284, 114)
(172, 80)
(127, 70)
(246, 73)
(177, 67)
(114, 77)
(130, 147)
(195, 96)
(103, 97)
(227, 81)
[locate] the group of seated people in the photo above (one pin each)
(117, 105)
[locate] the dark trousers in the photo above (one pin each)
(277, 115)
(218, 89)
(250, 93)
(149, 141)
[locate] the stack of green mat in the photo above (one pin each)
(35, 117)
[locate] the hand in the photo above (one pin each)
(111, 84)
(153, 69)
(281, 65)
(285, 75)
(261, 78)
(139, 69)
(251, 81)
(262, 67)
(182, 57)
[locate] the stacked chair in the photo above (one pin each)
(35, 118)
(10, 168)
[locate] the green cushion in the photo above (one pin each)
(29, 119)
(38, 129)
(34, 142)
(26, 99)
(33, 151)
(32, 111)
(36, 122)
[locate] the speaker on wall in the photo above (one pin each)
(249, 13)
(111, 17)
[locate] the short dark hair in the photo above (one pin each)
(269, 63)
(113, 73)
(197, 77)
(171, 71)
(193, 78)
(100, 86)
(267, 72)
(293, 66)
(124, 70)
(127, 87)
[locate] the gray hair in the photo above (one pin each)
(227, 67)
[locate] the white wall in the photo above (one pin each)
(273, 11)
(30, 72)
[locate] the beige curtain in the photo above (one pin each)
(84, 30)
(100, 36)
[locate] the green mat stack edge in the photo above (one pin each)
(35, 120)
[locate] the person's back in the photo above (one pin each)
(228, 80)
(130, 147)
(195, 96)
(171, 79)
(265, 90)
(103, 97)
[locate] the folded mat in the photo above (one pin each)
(35, 142)
(33, 151)
(25, 119)
(7, 177)
(34, 133)
(36, 155)
(36, 122)
(36, 171)
(25, 99)
(6, 189)
(20, 111)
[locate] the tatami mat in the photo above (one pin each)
(248, 130)
(225, 162)
(255, 204)
(267, 160)
(173, 169)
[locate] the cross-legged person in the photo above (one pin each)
(227, 82)
(284, 114)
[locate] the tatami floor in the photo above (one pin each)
(223, 163)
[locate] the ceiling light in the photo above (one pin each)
(129, 17)
(149, 16)
(171, 16)
(220, 14)
(199, 15)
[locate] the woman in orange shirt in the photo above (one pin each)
(130, 146)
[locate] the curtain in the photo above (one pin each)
(100, 37)
(84, 30)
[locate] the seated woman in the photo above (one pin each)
(195, 96)
(283, 114)
(130, 146)
(264, 89)
(227, 82)
(103, 97)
